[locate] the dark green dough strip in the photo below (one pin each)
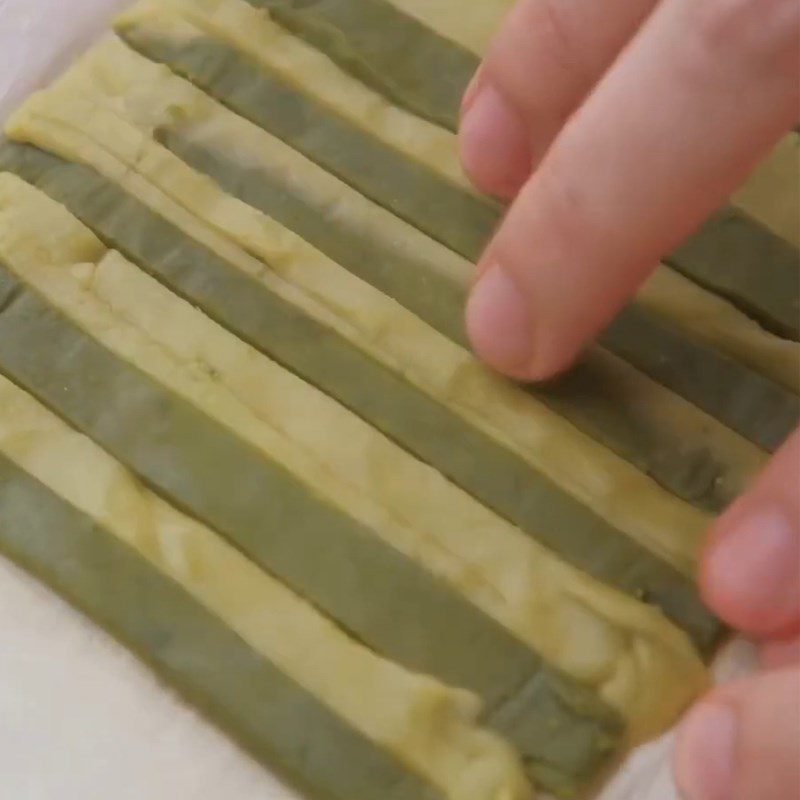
(281, 724)
(588, 395)
(758, 408)
(591, 396)
(742, 260)
(389, 50)
(421, 424)
(462, 221)
(393, 605)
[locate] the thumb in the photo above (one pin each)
(743, 742)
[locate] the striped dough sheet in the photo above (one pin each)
(240, 427)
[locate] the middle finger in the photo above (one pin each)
(541, 65)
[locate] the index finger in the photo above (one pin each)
(701, 93)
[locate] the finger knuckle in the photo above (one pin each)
(559, 26)
(749, 27)
(556, 30)
(555, 204)
(565, 34)
(567, 209)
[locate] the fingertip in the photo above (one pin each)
(508, 331)
(705, 752)
(751, 571)
(500, 323)
(493, 141)
(743, 742)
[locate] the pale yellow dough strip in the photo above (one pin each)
(628, 652)
(772, 193)
(426, 725)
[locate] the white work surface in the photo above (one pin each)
(80, 718)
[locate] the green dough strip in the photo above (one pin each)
(458, 218)
(387, 49)
(621, 648)
(285, 633)
(761, 273)
(373, 591)
(427, 428)
(745, 401)
(213, 65)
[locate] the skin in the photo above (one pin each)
(615, 129)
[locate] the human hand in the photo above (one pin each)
(617, 133)
(616, 128)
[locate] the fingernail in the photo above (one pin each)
(494, 143)
(758, 561)
(499, 322)
(706, 753)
